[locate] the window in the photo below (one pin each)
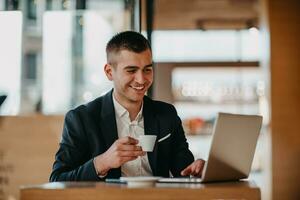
(210, 45)
(31, 9)
(30, 66)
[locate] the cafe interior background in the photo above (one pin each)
(210, 56)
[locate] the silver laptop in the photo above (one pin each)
(232, 149)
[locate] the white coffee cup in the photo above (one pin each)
(147, 142)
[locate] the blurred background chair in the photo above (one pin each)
(2, 99)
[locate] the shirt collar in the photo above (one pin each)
(121, 111)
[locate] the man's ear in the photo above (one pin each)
(108, 71)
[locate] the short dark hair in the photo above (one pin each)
(127, 40)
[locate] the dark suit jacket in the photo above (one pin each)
(89, 130)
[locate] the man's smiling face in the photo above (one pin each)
(132, 74)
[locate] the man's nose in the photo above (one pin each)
(140, 78)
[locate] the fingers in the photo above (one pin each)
(126, 159)
(127, 140)
(194, 169)
(130, 153)
(126, 147)
(200, 167)
(187, 171)
(123, 150)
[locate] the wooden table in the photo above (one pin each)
(108, 191)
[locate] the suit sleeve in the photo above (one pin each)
(72, 161)
(181, 155)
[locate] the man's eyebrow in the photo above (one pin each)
(135, 67)
(150, 65)
(131, 67)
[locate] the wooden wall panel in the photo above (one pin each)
(162, 85)
(27, 148)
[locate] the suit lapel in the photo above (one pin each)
(108, 125)
(151, 127)
(108, 120)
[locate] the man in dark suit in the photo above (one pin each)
(99, 139)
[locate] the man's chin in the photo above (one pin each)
(136, 97)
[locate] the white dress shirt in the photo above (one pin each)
(135, 128)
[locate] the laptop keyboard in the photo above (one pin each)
(180, 180)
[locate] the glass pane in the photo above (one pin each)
(210, 45)
(57, 73)
(10, 60)
(250, 44)
(31, 9)
(74, 55)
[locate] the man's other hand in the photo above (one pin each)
(194, 169)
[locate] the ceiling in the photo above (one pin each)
(204, 14)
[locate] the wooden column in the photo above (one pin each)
(284, 30)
